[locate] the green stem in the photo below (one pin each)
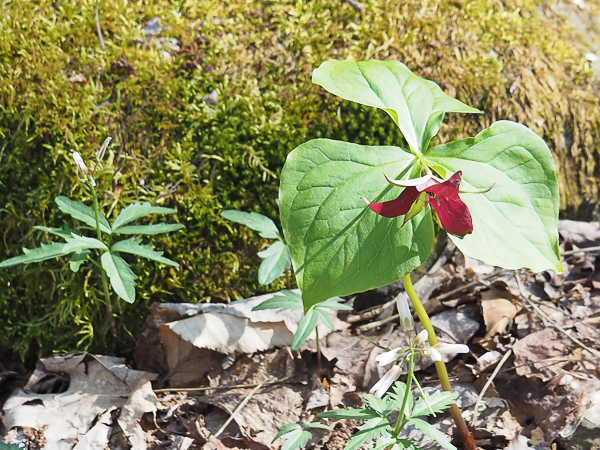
(109, 310)
(442, 372)
(401, 422)
(318, 348)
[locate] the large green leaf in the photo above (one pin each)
(276, 261)
(515, 223)
(77, 243)
(257, 222)
(82, 212)
(46, 251)
(137, 210)
(133, 247)
(121, 276)
(149, 229)
(416, 105)
(338, 245)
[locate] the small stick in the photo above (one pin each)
(370, 313)
(99, 31)
(237, 410)
(370, 326)
(209, 388)
(487, 385)
(580, 250)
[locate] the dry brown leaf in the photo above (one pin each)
(541, 354)
(497, 313)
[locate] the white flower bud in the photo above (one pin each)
(100, 153)
(381, 387)
(421, 337)
(406, 321)
(389, 357)
(441, 348)
(432, 353)
(81, 167)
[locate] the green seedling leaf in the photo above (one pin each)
(322, 426)
(306, 325)
(295, 439)
(79, 211)
(370, 430)
(439, 401)
(515, 223)
(78, 259)
(266, 227)
(333, 303)
(337, 244)
(62, 232)
(433, 433)
(416, 105)
(276, 261)
(384, 406)
(46, 251)
(281, 302)
(286, 429)
(149, 229)
(325, 318)
(77, 243)
(121, 276)
(133, 247)
(350, 413)
(137, 210)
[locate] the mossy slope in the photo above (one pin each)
(172, 148)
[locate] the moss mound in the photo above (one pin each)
(60, 92)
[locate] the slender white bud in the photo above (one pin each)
(93, 181)
(447, 349)
(100, 153)
(406, 320)
(389, 357)
(421, 337)
(81, 167)
(381, 387)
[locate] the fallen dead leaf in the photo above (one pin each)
(497, 313)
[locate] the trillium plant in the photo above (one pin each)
(496, 194)
(103, 250)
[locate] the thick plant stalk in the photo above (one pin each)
(463, 432)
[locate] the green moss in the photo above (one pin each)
(172, 149)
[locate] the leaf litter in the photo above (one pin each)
(224, 376)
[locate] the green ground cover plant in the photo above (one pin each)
(61, 92)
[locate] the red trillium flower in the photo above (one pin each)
(441, 195)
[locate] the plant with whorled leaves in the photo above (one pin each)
(496, 194)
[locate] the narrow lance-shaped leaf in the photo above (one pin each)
(515, 222)
(370, 430)
(439, 401)
(350, 413)
(416, 105)
(306, 325)
(325, 317)
(286, 429)
(276, 261)
(257, 222)
(433, 433)
(157, 228)
(82, 212)
(77, 243)
(337, 244)
(46, 251)
(133, 247)
(137, 210)
(121, 277)
(281, 302)
(62, 232)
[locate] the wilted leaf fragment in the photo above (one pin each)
(121, 277)
(416, 105)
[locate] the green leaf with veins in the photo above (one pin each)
(334, 303)
(289, 300)
(337, 244)
(149, 229)
(77, 243)
(82, 212)
(384, 406)
(350, 413)
(433, 433)
(397, 398)
(439, 401)
(78, 259)
(514, 223)
(62, 232)
(133, 247)
(137, 210)
(266, 227)
(276, 259)
(295, 439)
(46, 251)
(368, 431)
(306, 325)
(121, 277)
(286, 429)
(416, 105)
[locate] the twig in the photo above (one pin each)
(370, 313)
(487, 385)
(237, 410)
(580, 250)
(370, 326)
(552, 322)
(235, 386)
(99, 31)
(464, 287)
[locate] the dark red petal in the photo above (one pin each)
(454, 215)
(397, 207)
(448, 188)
